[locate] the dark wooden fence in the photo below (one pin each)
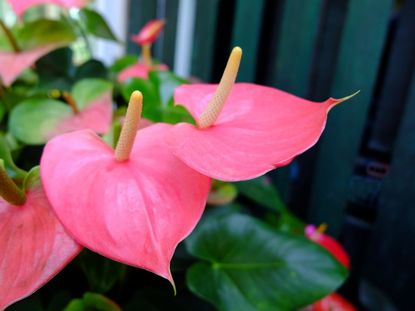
(360, 178)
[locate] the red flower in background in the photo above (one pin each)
(20, 6)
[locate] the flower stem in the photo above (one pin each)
(216, 104)
(9, 191)
(129, 130)
(71, 102)
(146, 52)
(10, 37)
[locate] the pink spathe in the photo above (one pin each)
(260, 128)
(135, 211)
(14, 63)
(149, 33)
(20, 6)
(139, 70)
(34, 246)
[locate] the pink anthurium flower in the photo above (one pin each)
(332, 302)
(326, 241)
(139, 70)
(147, 35)
(34, 246)
(20, 6)
(13, 63)
(133, 205)
(244, 130)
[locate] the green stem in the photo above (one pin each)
(10, 37)
(9, 191)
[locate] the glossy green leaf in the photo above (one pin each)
(87, 90)
(249, 266)
(151, 100)
(33, 120)
(123, 63)
(92, 301)
(95, 24)
(261, 191)
(101, 273)
(43, 31)
(91, 69)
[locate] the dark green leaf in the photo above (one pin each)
(95, 24)
(248, 266)
(91, 69)
(101, 273)
(262, 191)
(92, 302)
(2, 110)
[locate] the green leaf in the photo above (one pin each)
(151, 100)
(248, 266)
(2, 110)
(34, 120)
(91, 69)
(12, 170)
(101, 273)
(86, 90)
(92, 301)
(95, 24)
(262, 191)
(42, 32)
(123, 62)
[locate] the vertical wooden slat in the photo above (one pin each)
(204, 39)
(140, 12)
(294, 55)
(169, 37)
(394, 230)
(296, 45)
(246, 34)
(360, 52)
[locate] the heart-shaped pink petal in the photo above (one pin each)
(13, 64)
(260, 128)
(20, 6)
(139, 70)
(135, 211)
(34, 246)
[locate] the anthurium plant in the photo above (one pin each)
(129, 188)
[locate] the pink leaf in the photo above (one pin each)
(135, 211)
(20, 6)
(149, 33)
(13, 64)
(34, 246)
(260, 128)
(139, 70)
